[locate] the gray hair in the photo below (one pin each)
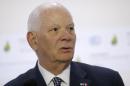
(34, 21)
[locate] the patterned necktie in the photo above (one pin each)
(57, 81)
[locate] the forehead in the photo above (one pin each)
(55, 15)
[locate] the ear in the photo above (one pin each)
(32, 40)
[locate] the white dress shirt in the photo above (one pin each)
(48, 76)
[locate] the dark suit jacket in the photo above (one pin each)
(80, 74)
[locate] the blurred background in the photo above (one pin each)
(102, 28)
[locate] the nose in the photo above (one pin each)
(66, 36)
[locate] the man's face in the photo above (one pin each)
(56, 38)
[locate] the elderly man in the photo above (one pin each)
(52, 36)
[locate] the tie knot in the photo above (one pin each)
(57, 81)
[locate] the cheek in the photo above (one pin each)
(48, 43)
(74, 39)
(42, 43)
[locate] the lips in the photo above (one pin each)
(66, 49)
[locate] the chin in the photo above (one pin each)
(67, 58)
(65, 61)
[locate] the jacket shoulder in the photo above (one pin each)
(93, 68)
(23, 78)
(101, 74)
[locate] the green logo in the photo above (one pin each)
(7, 47)
(114, 40)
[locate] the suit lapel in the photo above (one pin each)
(38, 77)
(78, 77)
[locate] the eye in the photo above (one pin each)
(55, 29)
(71, 28)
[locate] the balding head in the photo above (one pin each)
(51, 34)
(39, 14)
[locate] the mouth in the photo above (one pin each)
(66, 49)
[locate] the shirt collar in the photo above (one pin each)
(48, 76)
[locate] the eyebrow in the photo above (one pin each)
(70, 24)
(66, 25)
